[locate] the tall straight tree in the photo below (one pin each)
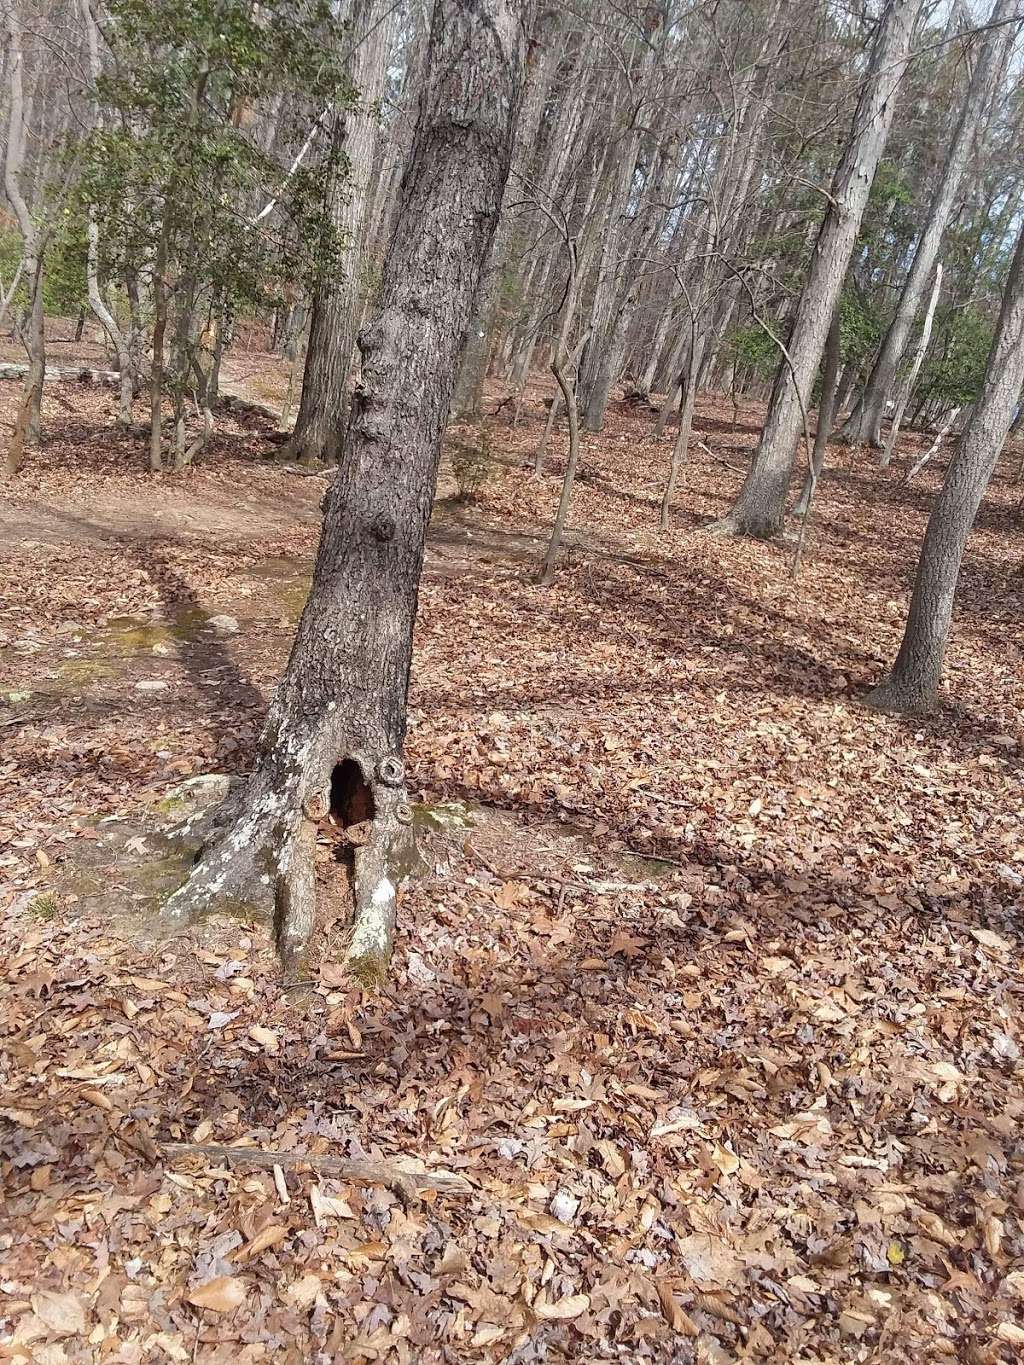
(914, 679)
(337, 298)
(865, 421)
(334, 738)
(760, 507)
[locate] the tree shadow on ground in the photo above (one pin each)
(203, 652)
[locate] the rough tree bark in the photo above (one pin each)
(760, 506)
(337, 301)
(332, 745)
(913, 681)
(864, 425)
(543, 60)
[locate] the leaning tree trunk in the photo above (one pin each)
(912, 684)
(332, 745)
(760, 507)
(337, 301)
(864, 425)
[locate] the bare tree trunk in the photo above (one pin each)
(553, 412)
(468, 390)
(864, 424)
(337, 302)
(109, 324)
(907, 387)
(826, 416)
(27, 429)
(681, 445)
(567, 387)
(334, 737)
(96, 300)
(760, 507)
(935, 446)
(156, 372)
(914, 679)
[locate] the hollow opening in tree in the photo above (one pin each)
(351, 801)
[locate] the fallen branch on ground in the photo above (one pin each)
(361, 1171)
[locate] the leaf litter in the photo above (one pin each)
(706, 1017)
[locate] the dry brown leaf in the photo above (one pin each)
(266, 1038)
(563, 1310)
(673, 1312)
(223, 1294)
(62, 1313)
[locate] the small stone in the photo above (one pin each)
(151, 685)
(419, 973)
(227, 625)
(206, 789)
(564, 1206)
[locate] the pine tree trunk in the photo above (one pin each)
(912, 684)
(334, 737)
(864, 425)
(760, 507)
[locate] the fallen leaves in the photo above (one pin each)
(729, 1067)
(563, 1310)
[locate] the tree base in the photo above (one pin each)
(895, 699)
(258, 852)
(733, 525)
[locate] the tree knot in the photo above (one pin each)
(382, 528)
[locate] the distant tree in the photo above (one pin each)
(865, 422)
(175, 178)
(760, 506)
(338, 281)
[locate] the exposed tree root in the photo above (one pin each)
(257, 853)
(725, 526)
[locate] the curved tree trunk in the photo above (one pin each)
(912, 684)
(864, 425)
(760, 507)
(334, 737)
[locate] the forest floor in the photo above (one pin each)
(708, 993)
